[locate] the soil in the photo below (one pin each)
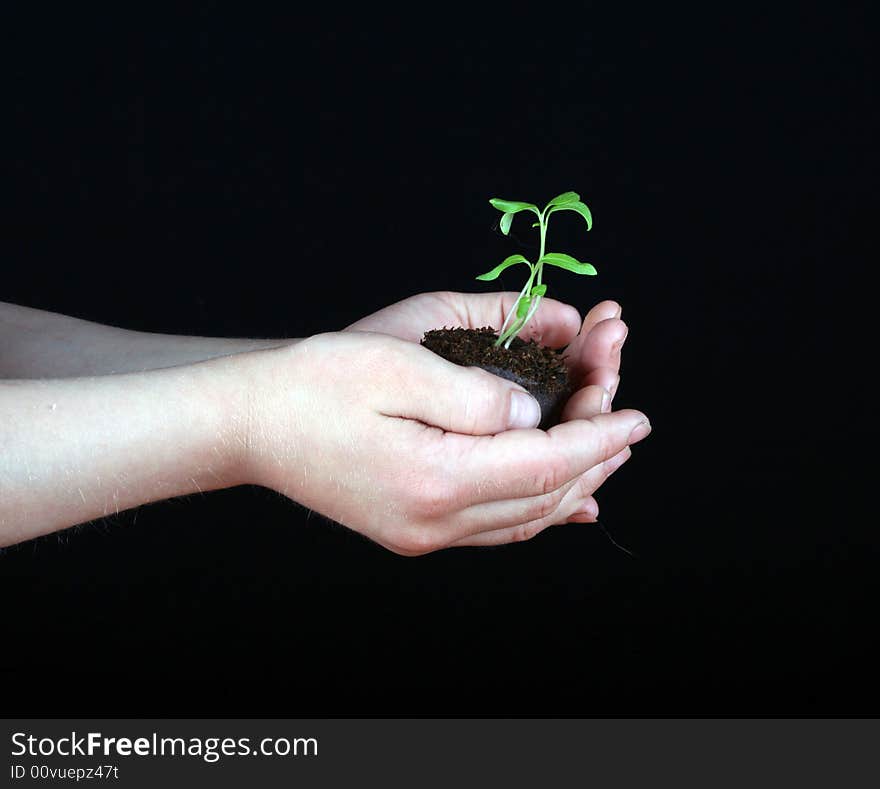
(538, 369)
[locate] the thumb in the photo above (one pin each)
(459, 399)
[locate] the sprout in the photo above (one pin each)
(533, 291)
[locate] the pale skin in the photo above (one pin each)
(363, 425)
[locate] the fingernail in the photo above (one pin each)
(606, 401)
(639, 432)
(524, 410)
(619, 344)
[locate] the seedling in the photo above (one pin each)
(533, 291)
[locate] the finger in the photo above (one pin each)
(600, 347)
(583, 406)
(508, 516)
(604, 310)
(523, 463)
(588, 513)
(590, 482)
(605, 377)
(554, 324)
(462, 400)
(586, 403)
(504, 514)
(518, 533)
(593, 479)
(600, 312)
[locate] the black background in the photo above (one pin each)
(246, 173)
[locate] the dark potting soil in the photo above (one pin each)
(536, 368)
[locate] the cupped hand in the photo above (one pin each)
(593, 351)
(414, 452)
(594, 345)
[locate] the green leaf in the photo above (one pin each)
(505, 222)
(567, 262)
(513, 206)
(578, 208)
(539, 290)
(522, 307)
(507, 263)
(536, 224)
(565, 197)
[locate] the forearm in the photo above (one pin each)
(76, 449)
(40, 344)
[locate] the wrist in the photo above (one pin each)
(252, 414)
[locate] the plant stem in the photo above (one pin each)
(543, 242)
(532, 310)
(517, 324)
(512, 311)
(506, 337)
